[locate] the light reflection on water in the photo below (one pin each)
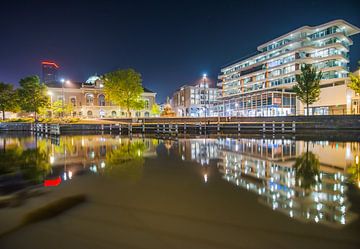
(307, 181)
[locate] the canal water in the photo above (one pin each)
(199, 192)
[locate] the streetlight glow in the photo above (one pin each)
(62, 80)
(204, 75)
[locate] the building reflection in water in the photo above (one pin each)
(72, 155)
(316, 191)
(267, 167)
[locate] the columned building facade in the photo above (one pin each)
(261, 85)
(89, 101)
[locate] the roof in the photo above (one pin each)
(351, 30)
(73, 85)
(146, 90)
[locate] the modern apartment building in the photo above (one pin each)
(195, 100)
(260, 85)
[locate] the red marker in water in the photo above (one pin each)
(52, 183)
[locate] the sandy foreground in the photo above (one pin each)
(168, 206)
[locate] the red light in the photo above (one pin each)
(52, 183)
(49, 63)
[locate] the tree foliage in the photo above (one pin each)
(355, 83)
(124, 88)
(8, 98)
(32, 94)
(155, 109)
(307, 88)
(57, 108)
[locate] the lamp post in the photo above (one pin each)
(357, 167)
(206, 99)
(51, 101)
(63, 81)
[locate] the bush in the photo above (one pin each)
(19, 120)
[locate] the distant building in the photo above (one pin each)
(89, 100)
(49, 72)
(261, 85)
(194, 100)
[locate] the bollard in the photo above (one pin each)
(176, 128)
(120, 129)
(264, 127)
(273, 127)
(143, 128)
(157, 128)
(239, 127)
(184, 127)
(282, 127)
(293, 127)
(218, 126)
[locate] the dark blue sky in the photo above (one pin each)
(169, 42)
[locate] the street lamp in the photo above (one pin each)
(63, 81)
(357, 166)
(51, 100)
(204, 83)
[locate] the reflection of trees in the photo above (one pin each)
(126, 162)
(307, 169)
(32, 164)
(354, 173)
(67, 144)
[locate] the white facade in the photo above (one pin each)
(195, 100)
(261, 85)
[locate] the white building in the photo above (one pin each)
(260, 85)
(195, 100)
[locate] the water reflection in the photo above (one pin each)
(307, 173)
(307, 181)
(303, 184)
(21, 167)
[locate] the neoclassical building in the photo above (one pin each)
(89, 100)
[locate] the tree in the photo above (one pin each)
(8, 98)
(355, 81)
(57, 108)
(307, 88)
(124, 88)
(155, 109)
(32, 95)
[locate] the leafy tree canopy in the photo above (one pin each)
(355, 83)
(307, 88)
(155, 109)
(124, 88)
(8, 98)
(32, 94)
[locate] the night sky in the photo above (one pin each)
(170, 43)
